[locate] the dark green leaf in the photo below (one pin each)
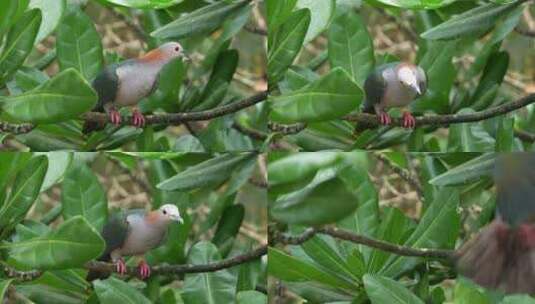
(385, 290)
(114, 291)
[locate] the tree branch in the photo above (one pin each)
(155, 270)
(404, 174)
(524, 135)
(372, 121)
(363, 240)
(165, 119)
(256, 30)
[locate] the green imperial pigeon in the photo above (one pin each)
(127, 82)
(502, 255)
(134, 233)
(393, 85)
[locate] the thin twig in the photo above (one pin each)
(372, 121)
(142, 183)
(524, 135)
(256, 30)
(404, 174)
(286, 129)
(256, 134)
(363, 240)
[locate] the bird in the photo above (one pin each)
(502, 255)
(127, 82)
(394, 84)
(135, 232)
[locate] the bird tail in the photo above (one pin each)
(93, 275)
(92, 126)
(361, 127)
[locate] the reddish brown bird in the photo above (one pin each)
(502, 255)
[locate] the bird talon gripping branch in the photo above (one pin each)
(144, 269)
(138, 119)
(127, 82)
(115, 117)
(409, 121)
(120, 267)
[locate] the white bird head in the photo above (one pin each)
(410, 77)
(171, 212)
(172, 50)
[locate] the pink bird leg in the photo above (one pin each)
(384, 118)
(144, 269)
(408, 120)
(115, 117)
(120, 267)
(138, 119)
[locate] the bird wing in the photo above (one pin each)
(515, 186)
(374, 88)
(106, 84)
(115, 233)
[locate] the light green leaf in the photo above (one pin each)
(154, 4)
(251, 297)
(330, 97)
(385, 290)
(114, 291)
(466, 173)
(53, 101)
(321, 13)
(78, 45)
(52, 12)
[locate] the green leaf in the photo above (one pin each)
(24, 192)
(438, 228)
(221, 76)
(413, 4)
(321, 13)
(154, 4)
(493, 75)
(467, 292)
(518, 299)
(206, 174)
(469, 137)
(83, 195)
(10, 12)
(505, 136)
(199, 22)
(19, 43)
(207, 287)
(53, 101)
(251, 297)
(475, 21)
(113, 291)
(4, 284)
(278, 11)
(385, 290)
(287, 43)
(306, 206)
(228, 228)
(302, 271)
(350, 46)
(330, 97)
(299, 166)
(52, 12)
(72, 244)
(78, 45)
(466, 173)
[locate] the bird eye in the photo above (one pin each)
(164, 212)
(177, 48)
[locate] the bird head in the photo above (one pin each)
(170, 212)
(166, 52)
(412, 78)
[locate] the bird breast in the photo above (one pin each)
(396, 95)
(136, 81)
(142, 236)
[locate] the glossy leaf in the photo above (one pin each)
(278, 11)
(385, 290)
(113, 291)
(10, 12)
(58, 162)
(78, 45)
(4, 285)
(286, 44)
(199, 22)
(70, 245)
(414, 4)
(251, 297)
(228, 228)
(24, 192)
(207, 287)
(53, 101)
(209, 173)
(301, 271)
(350, 46)
(474, 21)
(332, 96)
(154, 4)
(19, 43)
(295, 167)
(467, 172)
(52, 12)
(321, 13)
(469, 137)
(83, 195)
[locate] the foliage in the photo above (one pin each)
(347, 36)
(385, 207)
(55, 229)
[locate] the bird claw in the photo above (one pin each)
(144, 270)
(115, 117)
(409, 121)
(120, 267)
(384, 118)
(138, 119)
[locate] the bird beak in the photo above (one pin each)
(177, 218)
(186, 58)
(418, 90)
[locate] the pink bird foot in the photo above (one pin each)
(120, 267)
(384, 118)
(144, 269)
(115, 117)
(138, 119)
(409, 121)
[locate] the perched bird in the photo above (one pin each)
(502, 255)
(126, 83)
(393, 85)
(134, 233)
